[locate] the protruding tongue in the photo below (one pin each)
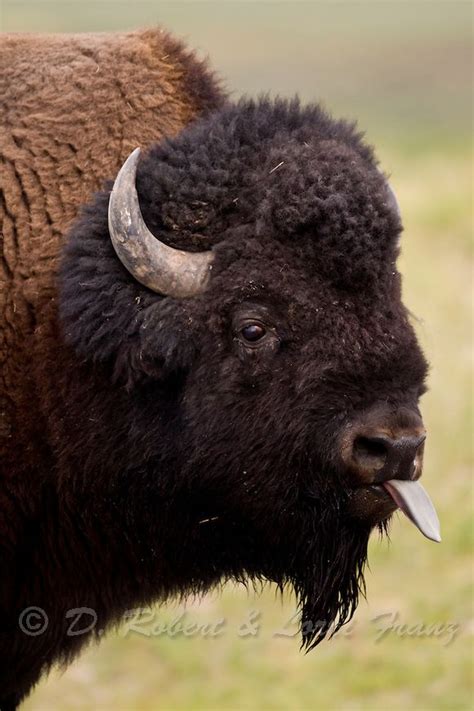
(415, 503)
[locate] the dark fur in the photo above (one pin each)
(179, 457)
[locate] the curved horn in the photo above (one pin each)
(167, 271)
(392, 200)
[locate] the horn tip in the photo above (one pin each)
(133, 157)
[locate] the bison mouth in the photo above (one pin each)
(329, 573)
(376, 502)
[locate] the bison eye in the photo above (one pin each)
(253, 332)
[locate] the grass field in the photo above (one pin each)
(410, 646)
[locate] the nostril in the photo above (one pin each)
(370, 452)
(377, 447)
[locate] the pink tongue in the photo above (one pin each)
(415, 503)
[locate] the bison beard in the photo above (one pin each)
(329, 579)
(299, 537)
(324, 565)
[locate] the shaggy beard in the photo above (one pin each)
(309, 543)
(329, 588)
(327, 573)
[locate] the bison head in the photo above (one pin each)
(255, 328)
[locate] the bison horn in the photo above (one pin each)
(168, 271)
(392, 200)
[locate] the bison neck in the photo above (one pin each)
(84, 529)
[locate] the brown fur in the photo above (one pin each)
(57, 146)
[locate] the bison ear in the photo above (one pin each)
(110, 319)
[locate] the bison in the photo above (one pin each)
(213, 376)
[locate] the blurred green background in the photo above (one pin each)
(403, 69)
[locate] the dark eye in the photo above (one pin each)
(253, 332)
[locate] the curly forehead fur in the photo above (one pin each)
(290, 173)
(284, 188)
